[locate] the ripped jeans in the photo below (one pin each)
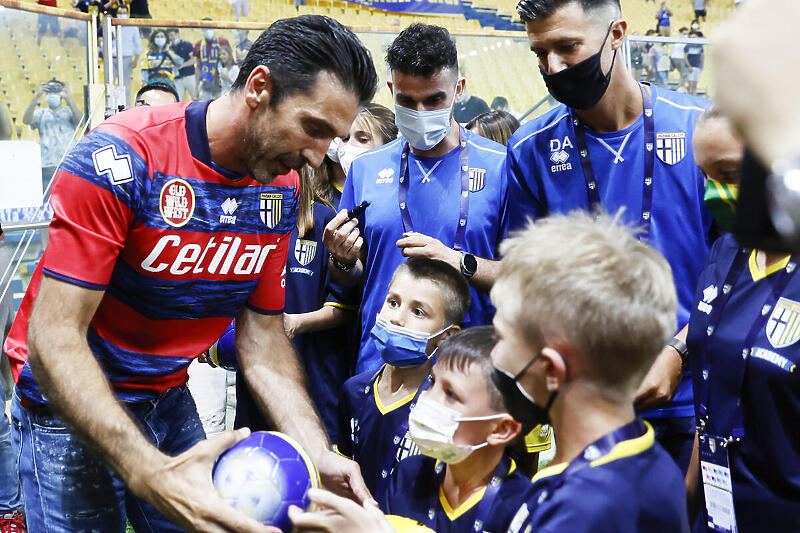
(68, 489)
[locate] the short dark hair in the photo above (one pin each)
(296, 50)
(499, 101)
(530, 10)
(173, 30)
(422, 50)
(159, 86)
(454, 288)
(498, 125)
(469, 347)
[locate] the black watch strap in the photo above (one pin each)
(682, 349)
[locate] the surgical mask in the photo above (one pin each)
(432, 426)
(695, 27)
(519, 403)
(122, 15)
(53, 100)
(423, 129)
(582, 85)
(346, 153)
(720, 199)
(401, 346)
(208, 34)
(333, 149)
(160, 41)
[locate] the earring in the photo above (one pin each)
(552, 383)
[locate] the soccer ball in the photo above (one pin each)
(263, 475)
(222, 352)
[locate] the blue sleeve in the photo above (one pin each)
(348, 193)
(345, 444)
(523, 203)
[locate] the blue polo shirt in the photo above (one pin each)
(545, 177)
(433, 203)
(765, 465)
(635, 488)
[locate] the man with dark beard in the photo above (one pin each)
(169, 222)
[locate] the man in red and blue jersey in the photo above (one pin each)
(169, 222)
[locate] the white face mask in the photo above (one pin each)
(347, 153)
(432, 426)
(121, 16)
(333, 149)
(423, 129)
(53, 100)
(209, 35)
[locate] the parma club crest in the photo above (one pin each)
(477, 179)
(783, 327)
(270, 209)
(304, 251)
(671, 147)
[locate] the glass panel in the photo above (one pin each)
(681, 64)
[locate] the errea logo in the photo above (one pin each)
(710, 294)
(559, 155)
(228, 208)
(117, 167)
(385, 176)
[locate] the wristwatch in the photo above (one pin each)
(469, 265)
(682, 350)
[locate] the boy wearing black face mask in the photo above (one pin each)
(616, 143)
(578, 330)
(463, 480)
(425, 303)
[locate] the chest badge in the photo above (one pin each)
(176, 202)
(477, 179)
(304, 251)
(783, 326)
(271, 208)
(671, 147)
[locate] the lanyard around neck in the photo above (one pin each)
(649, 163)
(463, 214)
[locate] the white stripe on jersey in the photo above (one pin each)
(688, 108)
(556, 121)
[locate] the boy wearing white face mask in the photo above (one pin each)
(465, 481)
(425, 303)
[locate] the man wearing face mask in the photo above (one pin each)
(613, 144)
(206, 53)
(438, 192)
(56, 124)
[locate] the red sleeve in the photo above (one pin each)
(224, 42)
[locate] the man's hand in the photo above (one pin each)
(415, 244)
(342, 476)
(206, 359)
(181, 488)
(342, 238)
(65, 91)
(340, 515)
(661, 381)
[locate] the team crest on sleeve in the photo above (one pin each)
(271, 208)
(671, 147)
(304, 251)
(117, 167)
(783, 326)
(176, 202)
(477, 179)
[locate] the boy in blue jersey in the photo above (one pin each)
(438, 192)
(425, 303)
(463, 480)
(615, 144)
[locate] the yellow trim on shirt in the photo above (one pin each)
(758, 274)
(626, 448)
(340, 189)
(472, 501)
(384, 409)
(340, 306)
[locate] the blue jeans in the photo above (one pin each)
(10, 496)
(68, 489)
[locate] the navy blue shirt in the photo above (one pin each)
(185, 51)
(414, 485)
(368, 428)
(635, 488)
(433, 202)
(545, 176)
(765, 465)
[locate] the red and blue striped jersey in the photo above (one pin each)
(178, 244)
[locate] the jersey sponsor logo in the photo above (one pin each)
(559, 155)
(385, 176)
(783, 326)
(176, 202)
(671, 147)
(709, 295)
(778, 360)
(217, 256)
(229, 207)
(117, 167)
(271, 208)
(477, 179)
(304, 251)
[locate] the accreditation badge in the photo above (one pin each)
(717, 485)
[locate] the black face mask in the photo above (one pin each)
(583, 84)
(519, 404)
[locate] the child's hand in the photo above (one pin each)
(340, 515)
(290, 325)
